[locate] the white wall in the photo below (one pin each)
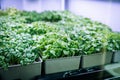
(115, 17)
(32, 5)
(42, 5)
(12, 3)
(51, 5)
(104, 11)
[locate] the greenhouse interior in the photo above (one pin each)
(59, 39)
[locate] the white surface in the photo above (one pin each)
(51, 5)
(32, 5)
(9, 3)
(104, 11)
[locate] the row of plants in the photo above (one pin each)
(27, 36)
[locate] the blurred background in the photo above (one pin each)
(105, 11)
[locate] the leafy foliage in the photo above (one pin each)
(26, 36)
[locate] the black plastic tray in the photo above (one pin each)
(93, 73)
